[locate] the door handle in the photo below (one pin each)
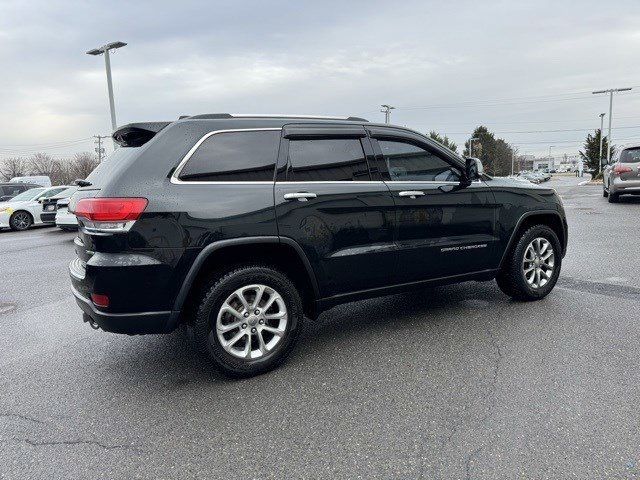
(411, 193)
(301, 196)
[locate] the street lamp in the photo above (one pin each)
(600, 157)
(551, 162)
(107, 63)
(610, 92)
(471, 140)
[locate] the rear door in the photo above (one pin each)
(328, 203)
(442, 229)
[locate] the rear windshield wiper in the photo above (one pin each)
(82, 183)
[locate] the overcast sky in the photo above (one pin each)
(447, 66)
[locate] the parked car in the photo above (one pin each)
(239, 226)
(530, 176)
(65, 220)
(41, 180)
(50, 205)
(622, 175)
(11, 189)
(23, 210)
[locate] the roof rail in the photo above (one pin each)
(213, 116)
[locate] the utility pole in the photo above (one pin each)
(551, 166)
(105, 49)
(513, 160)
(600, 156)
(99, 149)
(610, 92)
(471, 139)
(386, 109)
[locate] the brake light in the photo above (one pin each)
(111, 209)
(618, 169)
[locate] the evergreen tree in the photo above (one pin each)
(445, 141)
(495, 153)
(592, 150)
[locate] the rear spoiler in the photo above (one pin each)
(137, 134)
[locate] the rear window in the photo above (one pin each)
(630, 155)
(234, 157)
(105, 169)
(327, 160)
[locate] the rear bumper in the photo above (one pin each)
(140, 323)
(625, 186)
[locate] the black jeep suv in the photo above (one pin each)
(239, 226)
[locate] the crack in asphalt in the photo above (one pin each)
(600, 288)
(43, 443)
(54, 443)
(21, 417)
(467, 463)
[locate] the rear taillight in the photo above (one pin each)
(618, 169)
(110, 214)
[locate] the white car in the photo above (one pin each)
(24, 210)
(65, 220)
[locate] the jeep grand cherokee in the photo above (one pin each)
(240, 226)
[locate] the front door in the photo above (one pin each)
(443, 230)
(327, 202)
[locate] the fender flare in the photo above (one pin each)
(189, 279)
(526, 215)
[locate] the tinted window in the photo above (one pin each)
(327, 160)
(630, 155)
(234, 156)
(107, 168)
(407, 162)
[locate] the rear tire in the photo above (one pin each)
(20, 220)
(252, 346)
(532, 267)
(614, 197)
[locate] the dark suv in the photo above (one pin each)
(239, 226)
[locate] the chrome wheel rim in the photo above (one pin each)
(21, 221)
(538, 263)
(251, 322)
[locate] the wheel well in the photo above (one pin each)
(25, 211)
(279, 256)
(551, 220)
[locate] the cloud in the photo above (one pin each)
(328, 57)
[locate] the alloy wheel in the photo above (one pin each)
(251, 322)
(21, 220)
(538, 262)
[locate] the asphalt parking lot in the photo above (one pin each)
(458, 382)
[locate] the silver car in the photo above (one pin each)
(622, 175)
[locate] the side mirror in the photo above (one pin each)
(474, 169)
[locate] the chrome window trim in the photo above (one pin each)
(176, 173)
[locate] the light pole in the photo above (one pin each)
(471, 140)
(551, 165)
(386, 109)
(610, 92)
(107, 63)
(600, 156)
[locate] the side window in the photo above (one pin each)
(234, 156)
(407, 162)
(327, 160)
(52, 192)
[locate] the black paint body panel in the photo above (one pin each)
(356, 239)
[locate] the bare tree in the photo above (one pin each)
(83, 164)
(43, 164)
(12, 167)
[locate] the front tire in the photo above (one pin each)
(248, 320)
(614, 197)
(532, 267)
(605, 192)
(20, 220)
